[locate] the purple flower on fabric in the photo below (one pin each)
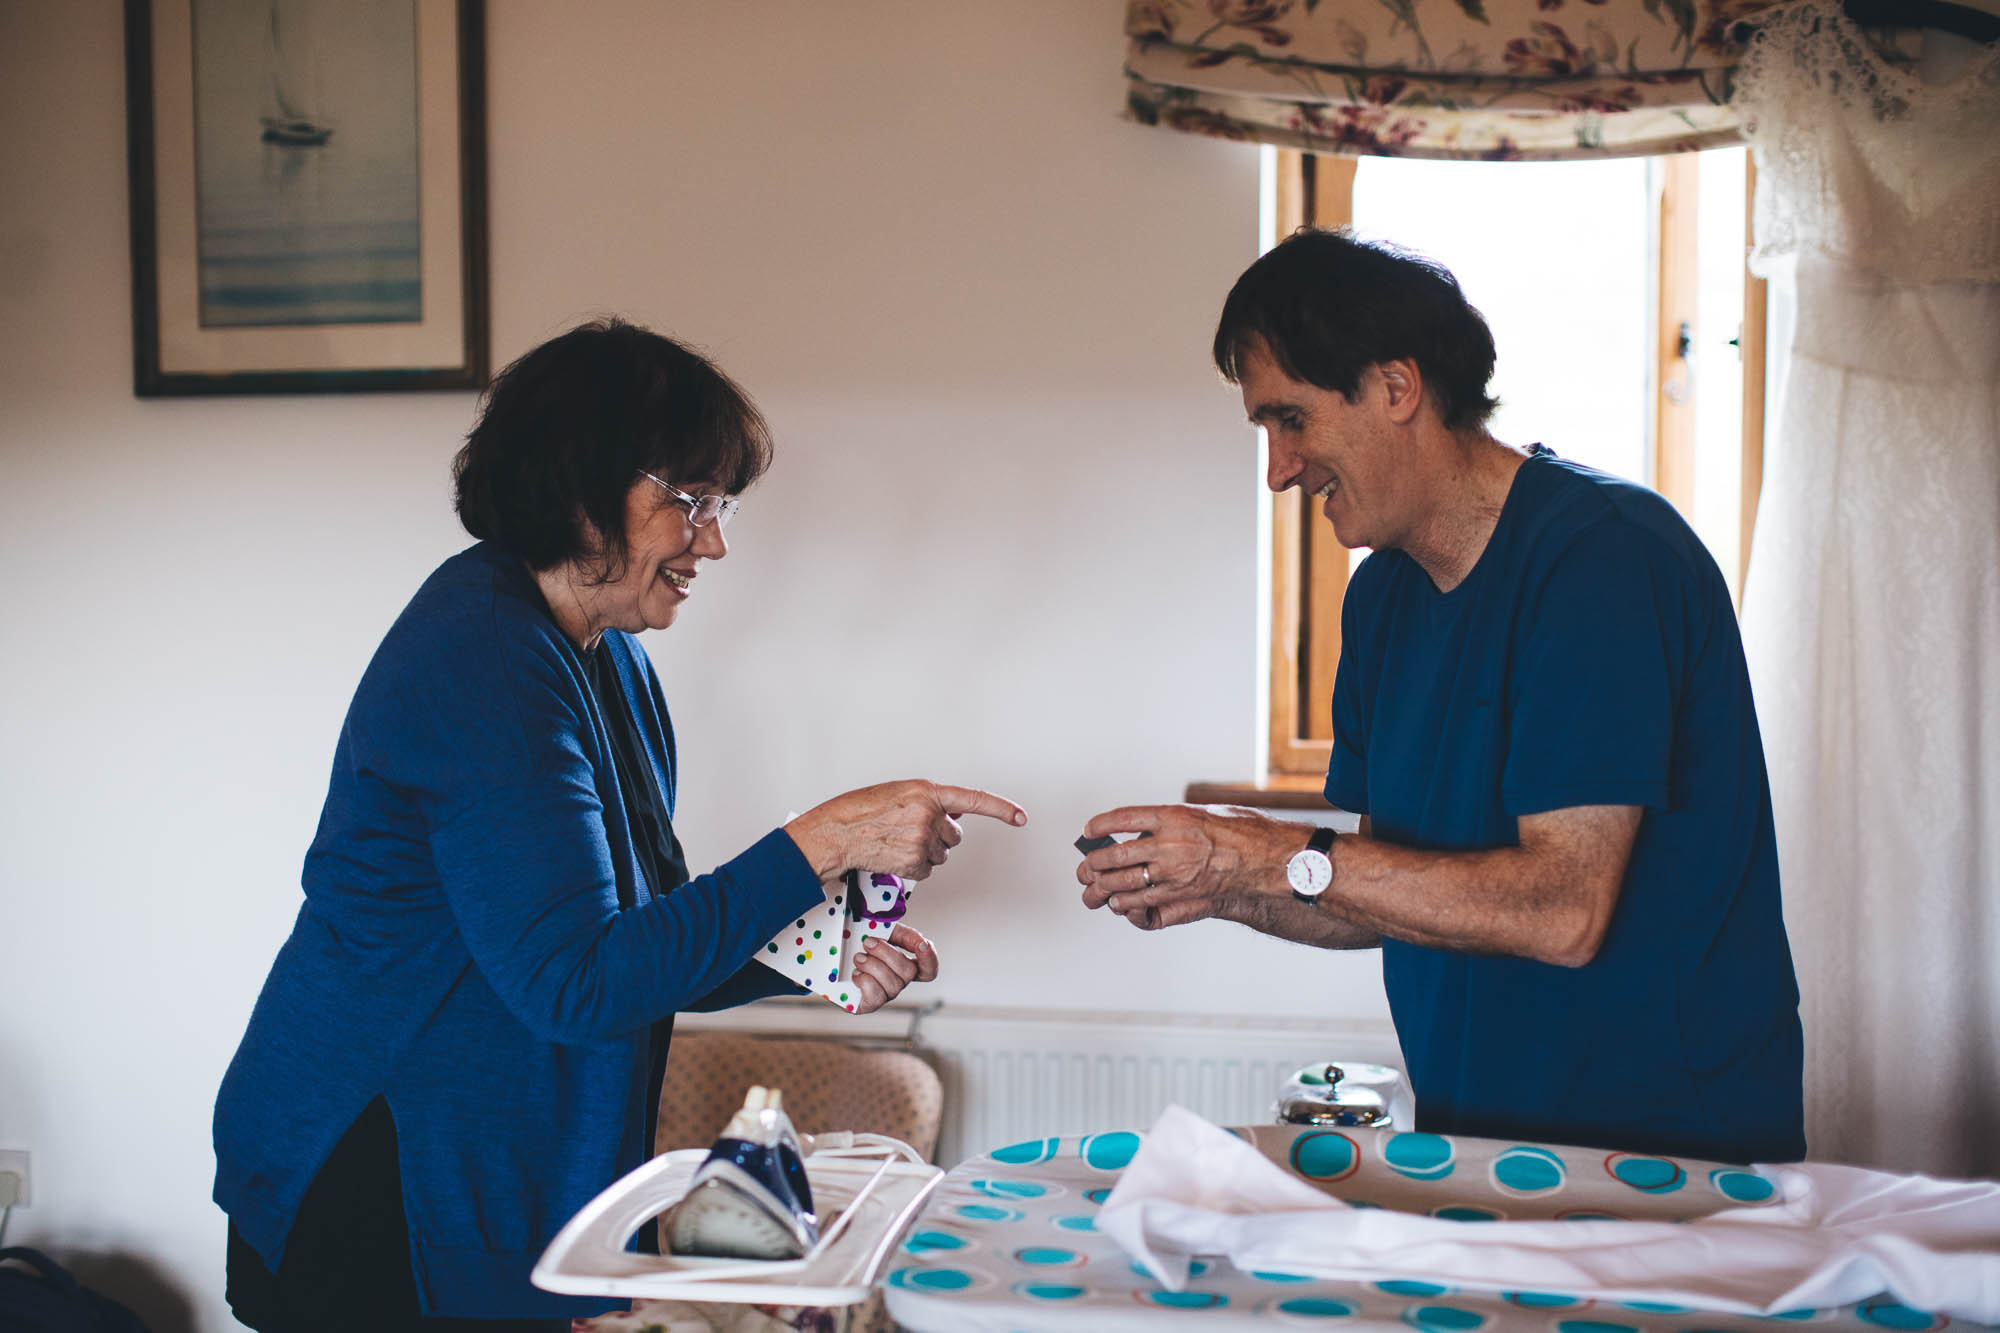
(1197, 120)
(1547, 52)
(1607, 101)
(1148, 18)
(1383, 89)
(1724, 33)
(1249, 13)
(1362, 129)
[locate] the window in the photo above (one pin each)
(1630, 337)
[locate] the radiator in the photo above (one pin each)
(1012, 1074)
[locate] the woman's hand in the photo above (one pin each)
(881, 972)
(895, 828)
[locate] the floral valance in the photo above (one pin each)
(1494, 79)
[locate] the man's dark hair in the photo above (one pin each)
(565, 431)
(1329, 305)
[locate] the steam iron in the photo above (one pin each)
(750, 1198)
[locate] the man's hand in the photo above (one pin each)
(1224, 862)
(1197, 862)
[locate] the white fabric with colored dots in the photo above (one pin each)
(1827, 1236)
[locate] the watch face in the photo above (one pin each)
(1309, 872)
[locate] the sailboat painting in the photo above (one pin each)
(306, 170)
(290, 52)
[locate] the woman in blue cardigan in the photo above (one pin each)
(461, 1041)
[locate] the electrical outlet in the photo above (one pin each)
(14, 1161)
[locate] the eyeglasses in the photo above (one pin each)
(702, 509)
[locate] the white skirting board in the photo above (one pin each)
(1015, 1073)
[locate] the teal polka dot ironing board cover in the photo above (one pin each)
(1010, 1244)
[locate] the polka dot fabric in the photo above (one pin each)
(1009, 1241)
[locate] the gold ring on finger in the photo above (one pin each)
(1146, 873)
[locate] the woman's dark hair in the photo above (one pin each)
(1329, 305)
(565, 431)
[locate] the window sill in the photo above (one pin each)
(1280, 791)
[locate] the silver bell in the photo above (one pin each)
(1327, 1094)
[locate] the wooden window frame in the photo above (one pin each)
(1309, 568)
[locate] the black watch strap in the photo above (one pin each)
(1321, 840)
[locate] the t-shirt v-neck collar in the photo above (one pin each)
(1502, 532)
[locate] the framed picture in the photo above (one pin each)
(308, 195)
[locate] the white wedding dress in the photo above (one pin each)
(1872, 608)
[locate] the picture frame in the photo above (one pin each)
(308, 195)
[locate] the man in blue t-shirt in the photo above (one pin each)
(1542, 715)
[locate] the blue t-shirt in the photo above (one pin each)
(1591, 657)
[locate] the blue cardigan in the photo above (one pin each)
(461, 951)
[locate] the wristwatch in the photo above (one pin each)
(1310, 871)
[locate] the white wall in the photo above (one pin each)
(1009, 540)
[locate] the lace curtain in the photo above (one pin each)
(1872, 608)
(1489, 79)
